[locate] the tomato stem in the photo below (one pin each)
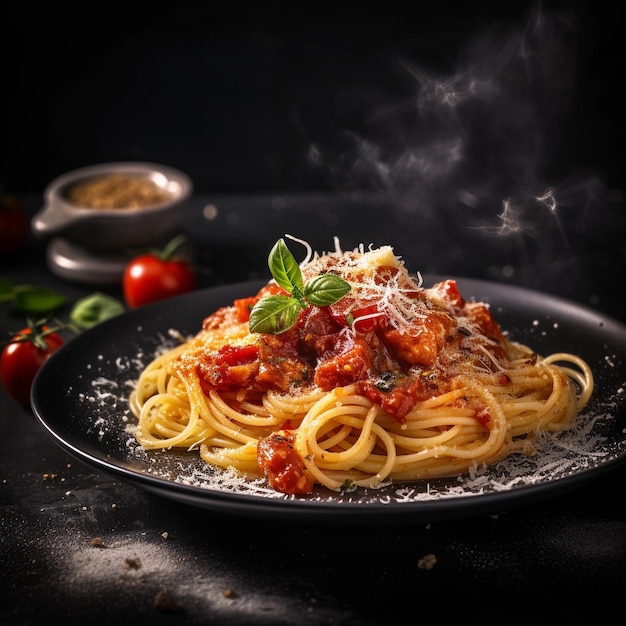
(168, 252)
(38, 330)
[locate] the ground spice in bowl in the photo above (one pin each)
(117, 191)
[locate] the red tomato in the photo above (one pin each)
(150, 277)
(14, 225)
(365, 318)
(243, 307)
(237, 355)
(21, 360)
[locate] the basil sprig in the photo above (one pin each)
(31, 299)
(276, 314)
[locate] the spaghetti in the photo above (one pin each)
(393, 381)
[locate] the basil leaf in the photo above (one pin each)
(94, 309)
(32, 299)
(284, 267)
(6, 290)
(274, 314)
(326, 289)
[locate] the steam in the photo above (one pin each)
(475, 160)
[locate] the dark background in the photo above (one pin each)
(494, 129)
(461, 116)
(307, 95)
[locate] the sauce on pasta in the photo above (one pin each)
(395, 381)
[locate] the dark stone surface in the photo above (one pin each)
(479, 139)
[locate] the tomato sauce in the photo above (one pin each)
(394, 364)
(395, 368)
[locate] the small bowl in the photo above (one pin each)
(114, 206)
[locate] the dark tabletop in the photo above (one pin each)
(490, 139)
(79, 545)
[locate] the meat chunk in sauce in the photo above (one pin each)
(280, 463)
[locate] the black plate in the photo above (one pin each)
(80, 397)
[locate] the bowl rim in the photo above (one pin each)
(54, 196)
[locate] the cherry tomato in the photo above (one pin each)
(22, 358)
(154, 276)
(14, 224)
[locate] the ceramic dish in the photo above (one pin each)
(113, 228)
